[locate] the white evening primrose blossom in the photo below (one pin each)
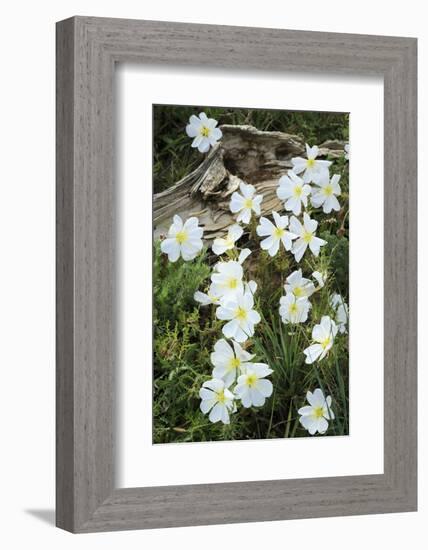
(204, 132)
(315, 416)
(326, 194)
(312, 169)
(252, 387)
(297, 285)
(320, 278)
(241, 317)
(347, 151)
(335, 300)
(227, 279)
(217, 400)
(294, 192)
(183, 239)
(251, 286)
(306, 236)
(211, 297)
(342, 313)
(220, 245)
(275, 234)
(342, 317)
(294, 310)
(323, 336)
(229, 362)
(245, 203)
(243, 255)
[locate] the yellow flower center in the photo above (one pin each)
(232, 283)
(241, 314)
(310, 163)
(298, 191)
(318, 412)
(293, 308)
(307, 236)
(251, 380)
(205, 132)
(325, 342)
(278, 233)
(328, 190)
(221, 397)
(298, 291)
(234, 363)
(229, 242)
(248, 203)
(181, 237)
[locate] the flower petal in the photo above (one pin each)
(265, 387)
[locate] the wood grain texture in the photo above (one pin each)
(87, 49)
(260, 158)
(64, 278)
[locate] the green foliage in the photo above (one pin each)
(174, 285)
(337, 250)
(183, 338)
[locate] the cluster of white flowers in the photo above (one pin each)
(295, 305)
(236, 378)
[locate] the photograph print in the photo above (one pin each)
(250, 274)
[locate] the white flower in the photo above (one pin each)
(335, 300)
(229, 362)
(347, 151)
(323, 334)
(227, 279)
(252, 388)
(320, 278)
(311, 168)
(204, 130)
(298, 285)
(241, 316)
(243, 255)
(342, 317)
(341, 307)
(275, 234)
(183, 239)
(314, 417)
(326, 195)
(211, 297)
(217, 399)
(294, 310)
(251, 286)
(306, 234)
(245, 203)
(220, 245)
(294, 192)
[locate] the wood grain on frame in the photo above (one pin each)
(87, 50)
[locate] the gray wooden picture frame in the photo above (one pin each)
(87, 51)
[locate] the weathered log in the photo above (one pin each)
(244, 154)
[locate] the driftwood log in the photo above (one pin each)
(243, 154)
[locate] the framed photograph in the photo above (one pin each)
(232, 281)
(236, 274)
